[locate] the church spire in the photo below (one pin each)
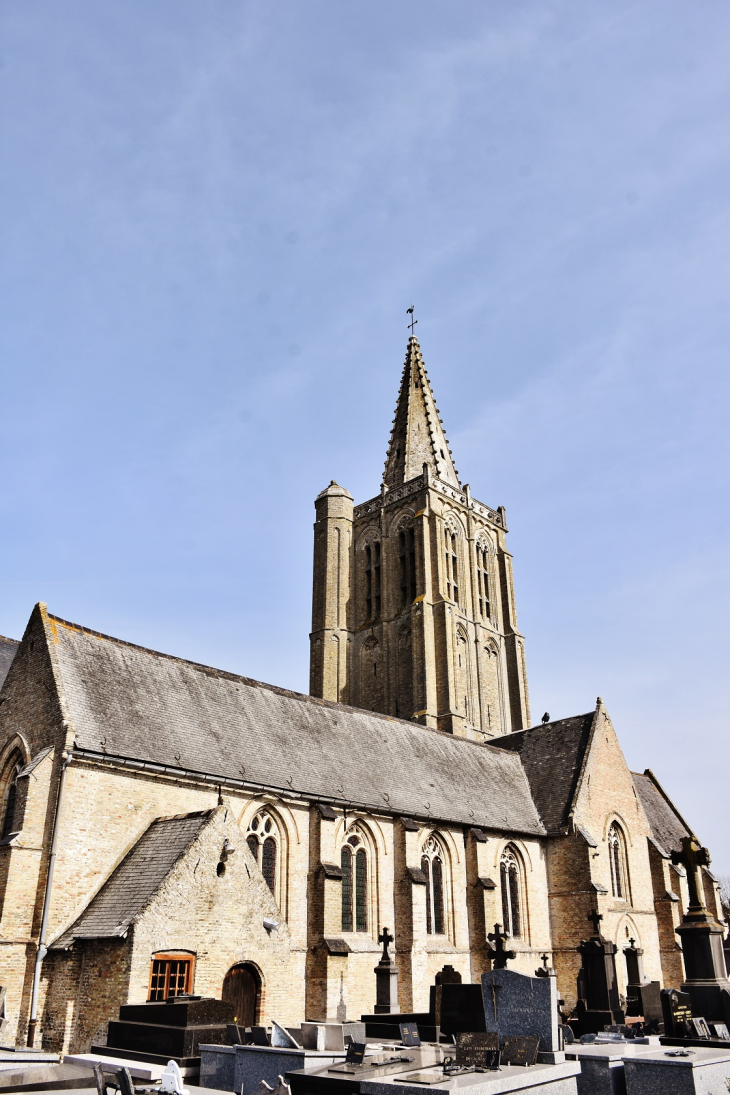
(418, 436)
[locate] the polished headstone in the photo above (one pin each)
(516, 1004)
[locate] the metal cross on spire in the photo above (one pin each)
(412, 324)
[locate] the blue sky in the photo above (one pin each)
(213, 219)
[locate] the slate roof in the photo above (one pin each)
(552, 755)
(135, 881)
(127, 701)
(667, 826)
(7, 653)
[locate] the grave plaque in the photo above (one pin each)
(677, 1012)
(719, 1030)
(477, 1049)
(409, 1035)
(520, 1050)
(355, 1053)
(700, 1028)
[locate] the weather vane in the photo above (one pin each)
(413, 322)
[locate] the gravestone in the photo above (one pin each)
(598, 1004)
(702, 935)
(281, 1038)
(477, 1050)
(386, 979)
(500, 954)
(517, 1004)
(409, 1035)
(457, 1008)
(677, 1013)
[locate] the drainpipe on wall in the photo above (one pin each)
(42, 948)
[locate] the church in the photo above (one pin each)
(168, 827)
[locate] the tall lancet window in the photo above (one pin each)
(432, 865)
(407, 562)
(483, 582)
(452, 566)
(509, 877)
(354, 863)
(9, 793)
(617, 860)
(372, 582)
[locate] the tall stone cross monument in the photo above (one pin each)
(706, 978)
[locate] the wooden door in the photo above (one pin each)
(241, 987)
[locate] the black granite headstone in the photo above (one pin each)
(409, 1035)
(677, 1012)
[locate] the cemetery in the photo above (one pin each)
(507, 1034)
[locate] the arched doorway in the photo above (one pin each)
(242, 988)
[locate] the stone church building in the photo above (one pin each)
(168, 827)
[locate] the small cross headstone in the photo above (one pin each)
(386, 978)
(386, 939)
(500, 954)
(595, 917)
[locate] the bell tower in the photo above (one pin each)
(413, 610)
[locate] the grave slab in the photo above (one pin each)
(702, 1072)
(256, 1063)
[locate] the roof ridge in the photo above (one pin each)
(7, 639)
(279, 689)
(544, 725)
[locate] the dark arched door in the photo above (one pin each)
(242, 988)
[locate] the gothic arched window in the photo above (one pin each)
(407, 562)
(264, 841)
(452, 566)
(483, 581)
(617, 859)
(509, 877)
(9, 793)
(432, 865)
(354, 863)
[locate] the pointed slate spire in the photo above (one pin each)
(417, 437)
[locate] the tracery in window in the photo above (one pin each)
(509, 876)
(483, 589)
(9, 792)
(407, 566)
(354, 863)
(265, 842)
(432, 865)
(617, 860)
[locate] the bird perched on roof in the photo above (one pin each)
(546, 717)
